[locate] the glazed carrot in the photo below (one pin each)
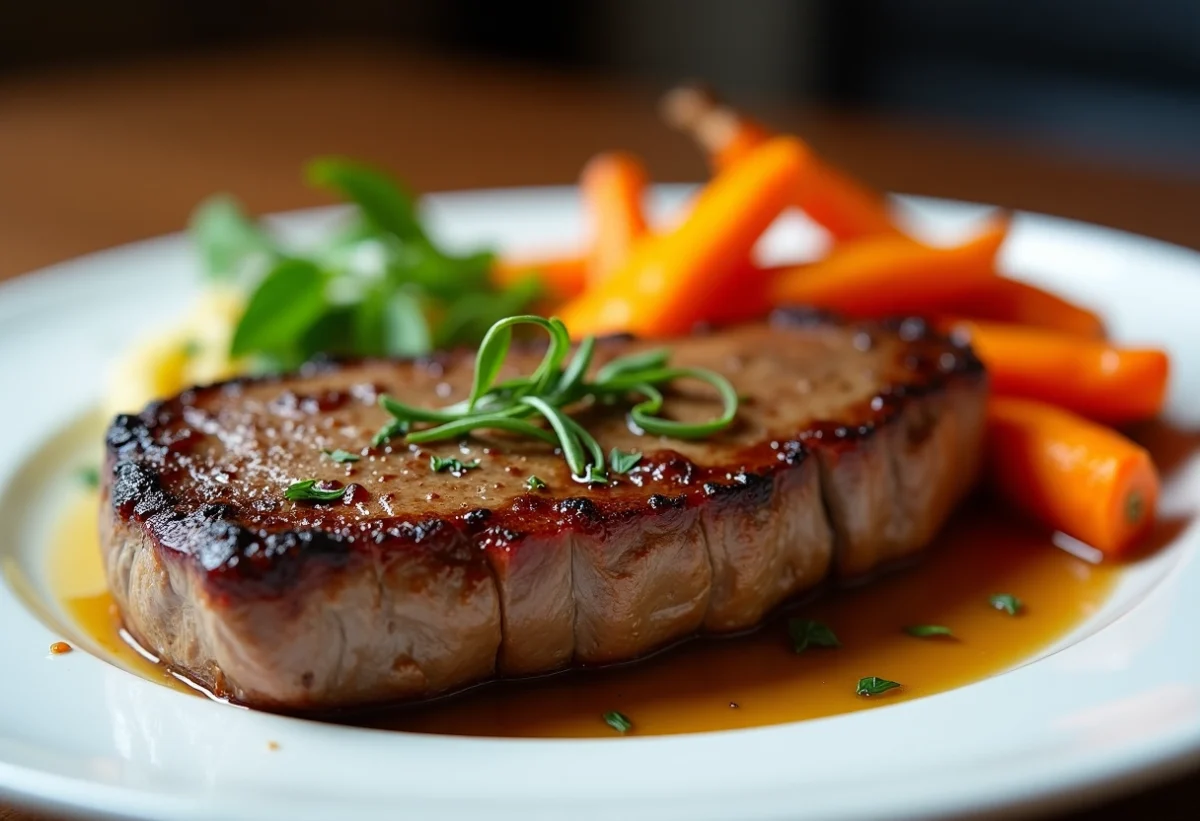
(891, 275)
(1090, 377)
(612, 186)
(666, 286)
(1070, 473)
(1006, 300)
(562, 277)
(848, 209)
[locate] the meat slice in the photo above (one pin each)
(851, 445)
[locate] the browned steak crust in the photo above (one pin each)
(852, 444)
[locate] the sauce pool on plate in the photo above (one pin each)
(736, 682)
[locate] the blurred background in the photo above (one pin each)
(116, 117)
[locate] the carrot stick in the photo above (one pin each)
(1090, 377)
(891, 275)
(848, 209)
(562, 277)
(1072, 474)
(666, 286)
(612, 186)
(1006, 300)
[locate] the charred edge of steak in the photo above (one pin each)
(239, 561)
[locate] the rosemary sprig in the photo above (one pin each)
(554, 388)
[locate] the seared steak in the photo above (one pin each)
(852, 444)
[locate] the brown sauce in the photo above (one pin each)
(745, 681)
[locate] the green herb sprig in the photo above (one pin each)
(310, 490)
(806, 633)
(441, 464)
(1007, 603)
(874, 686)
(618, 721)
(557, 385)
(926, 631)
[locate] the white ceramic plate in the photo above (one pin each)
(1116, 703)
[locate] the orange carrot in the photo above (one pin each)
(891, 275)
(612, 186)
(848, 209)
(1072, 474)
(562, 277)
(1090, 377)
(666, 285)
(1006, 300)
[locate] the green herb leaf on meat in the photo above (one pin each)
(313, 490)
(341, 456)
(622, 462)
(439, 464)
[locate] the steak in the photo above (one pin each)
(852, 444)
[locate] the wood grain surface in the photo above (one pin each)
(92, 159)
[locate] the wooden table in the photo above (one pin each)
(90, 160)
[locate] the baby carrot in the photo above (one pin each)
(612, 186)
(1088, 376)
(1070, 473)
(848, 209)
(891, 275)
(1007, 300)
(666, 286)
(562, 277)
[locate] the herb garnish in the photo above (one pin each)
(439, 464)
(341, 456)
(618, 721)
(380, 286)
(807, 633)
(389, 431)
(924, 631)
(534, 483)
(313, 490)
(89, 476)
(874, 686)
(557, 384)
(622, 462)
(1007, 602)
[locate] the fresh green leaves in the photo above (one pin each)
(89, 476)
(552, 388)
(313, 490)
(378, 287)
(226, 238)
(925, 631)
(341, 456)
(1007, 603)
(618, 721)
(806, 633)
(439, 464)
(874, 686)
(289, 300)
(622, 462)
(383, 202)
(534, 483)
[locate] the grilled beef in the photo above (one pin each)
(851, 446)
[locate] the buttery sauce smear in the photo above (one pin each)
(745, 681)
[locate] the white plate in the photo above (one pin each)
(1117, 703)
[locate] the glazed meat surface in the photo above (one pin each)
(851, 446)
